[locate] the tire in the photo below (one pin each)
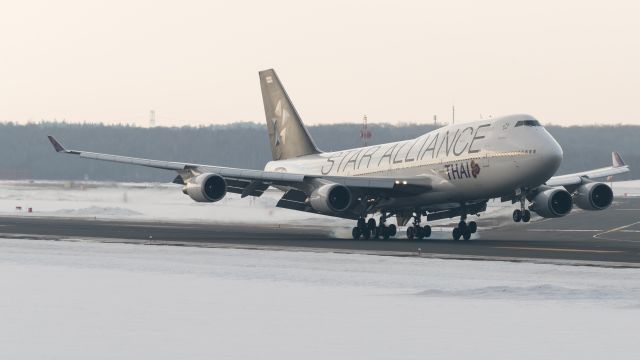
(392, 230)
(380, 231)
(427, 231)
(371, 224)
(517, 215)
(410, 232)
(526, 216)
(462, 225)
(466, 234)
(456, 234)
(355, 233)
(366, 234)
(385, 231)
(361, 223)
(473, 227)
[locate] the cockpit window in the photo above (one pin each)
(527, 123)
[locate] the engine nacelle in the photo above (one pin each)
(552, 203)
(206, 188)
(331, 198)
(593, 196)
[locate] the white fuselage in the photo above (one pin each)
(466, 162)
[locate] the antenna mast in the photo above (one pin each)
(365, 133)
(152, 118)
(453, 115)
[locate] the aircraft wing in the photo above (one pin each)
(618, 167)
(255, 182)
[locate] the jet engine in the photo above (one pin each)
(552, 203)
(330, 198)
(593, 196)
(206, 188)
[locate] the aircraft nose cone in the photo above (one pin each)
(552, 157)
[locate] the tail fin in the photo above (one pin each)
(287, 135)
(617, 160)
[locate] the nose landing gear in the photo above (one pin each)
(521, 214)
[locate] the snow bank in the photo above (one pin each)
(98, 211)
(69, 300)
(148, 201)
(165, 202)
(626, 188)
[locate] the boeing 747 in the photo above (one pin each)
(449, 172)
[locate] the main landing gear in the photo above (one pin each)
(464, 230)
(521, 214)
(368, 229)
(416, 231)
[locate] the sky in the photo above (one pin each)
(196, 62)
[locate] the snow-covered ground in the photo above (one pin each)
(166, 202)
(151, 201)
(140, 201)
(83, 300)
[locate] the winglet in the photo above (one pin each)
(617, 160)
(56, 145)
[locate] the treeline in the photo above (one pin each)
(25, 152)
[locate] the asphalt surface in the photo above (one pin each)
(610, 237)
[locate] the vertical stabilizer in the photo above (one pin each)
(287, 135)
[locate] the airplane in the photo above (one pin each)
(446, 173)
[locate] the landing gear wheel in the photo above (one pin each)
(426, 230)
(456, 234)
(410, 232)
(392, 230)
(526, 216)
(466, 234)
(517, 215)
(355, 233)
(473, 227)
(462, 225)
(383, 231)
(361, 223)
(371, 224)
(366, 234)
(419, 232)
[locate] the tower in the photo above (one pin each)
(365, 133)
(152, 118)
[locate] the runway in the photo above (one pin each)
(607, 238)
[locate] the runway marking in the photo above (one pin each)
(558, 249)
(565, 230)
(619, 228)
